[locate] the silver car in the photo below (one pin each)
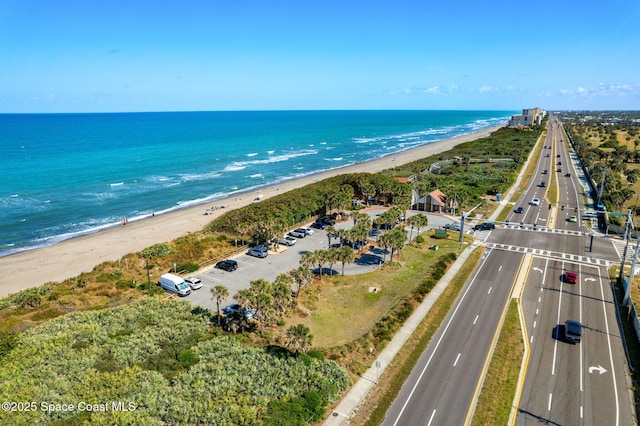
(286, 241)
(258, 252)
(193, 282)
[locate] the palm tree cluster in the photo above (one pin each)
(331, 256)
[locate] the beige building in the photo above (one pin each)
(529, 117)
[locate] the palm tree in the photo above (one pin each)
(302, 277)
(397, 239)
(219, 293)
(331, 231)
(320, 258)
(385, 241)
(282, 292)
(419, 221)
(298, 338)
(331, 257)
(345, 255)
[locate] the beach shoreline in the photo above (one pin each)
(69, 258)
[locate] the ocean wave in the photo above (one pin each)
(270, 152)
(257, 175)
(234, 168)
(334, 159)
(116, 184)
(190, 177)
(253, 154)
(273, 159)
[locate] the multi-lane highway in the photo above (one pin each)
(565, 384)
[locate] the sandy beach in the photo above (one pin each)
(70, 258)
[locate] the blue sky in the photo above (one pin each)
(105, 56)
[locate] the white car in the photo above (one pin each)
(287, 241)
(535, 202)
(308, 230)
(193, 282)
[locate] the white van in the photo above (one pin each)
(175, 284)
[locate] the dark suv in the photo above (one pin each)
(228, 265)
(484, 226)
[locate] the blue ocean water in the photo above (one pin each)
(69, 174)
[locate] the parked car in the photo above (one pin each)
(319, 225)
(453, 226)
(228, 265)
(559, 163)
(235, 308)
(484, 226)
(542, 184)
(535, 202)
(174, 284)
(298, 233)
(519, 210)
(307, 230)
(573, 331)
(570, 277)
(326, 220)
(258, 252)
(559, 170)
(545, 171)
(573, 219)
(567, 175)
(194, 283)
(286, 241)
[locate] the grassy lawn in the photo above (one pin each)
(338, 300)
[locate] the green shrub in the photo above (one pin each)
(122, 284)
(419, 239)
(188, 267)
(188, 358)
(7, 342)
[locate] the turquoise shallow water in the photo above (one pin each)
(69, 174)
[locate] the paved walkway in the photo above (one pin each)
(350, 402)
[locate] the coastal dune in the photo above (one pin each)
(72, 257)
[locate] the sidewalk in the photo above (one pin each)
(350, 402)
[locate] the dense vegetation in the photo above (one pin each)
(607, 144)
(160, 357)
(474, 170)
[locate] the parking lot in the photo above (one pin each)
(252, 268)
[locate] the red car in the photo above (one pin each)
(570, 277)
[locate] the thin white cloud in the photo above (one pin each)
(432, 90)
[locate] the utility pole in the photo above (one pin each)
(627, 292)
(604, 172)
(626, 238)
(464, 216)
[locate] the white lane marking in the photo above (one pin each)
(500, 268)
(555, 345)
(537, 310)
(431, 418)
(476, 319)
(444, 332)
(489, 292)
(549, 405)
(581, 412)
(531, 339)
(608, 334)
(534, 324)
(457, 358)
